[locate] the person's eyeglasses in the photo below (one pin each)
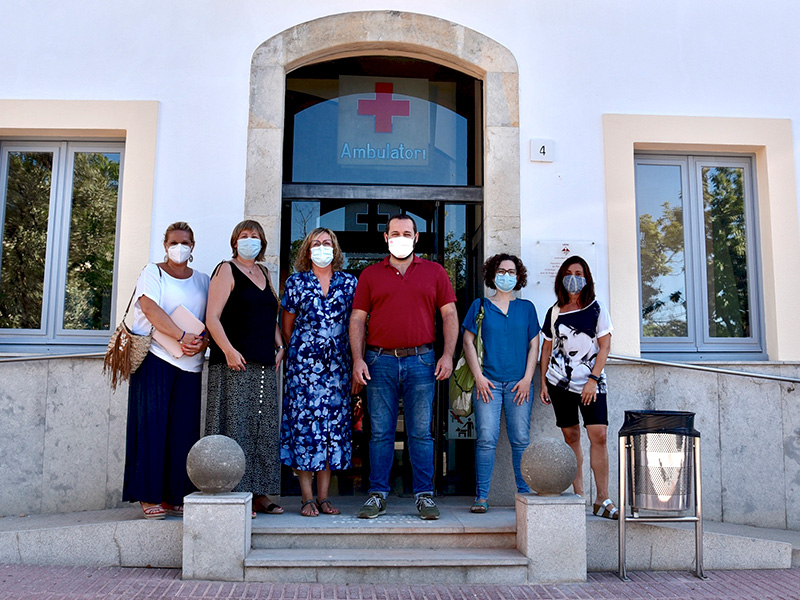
(326, 243)
(506, 271)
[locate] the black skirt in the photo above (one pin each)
(163, 425)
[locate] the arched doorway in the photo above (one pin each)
(460, 183)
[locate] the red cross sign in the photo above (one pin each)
(383, 107)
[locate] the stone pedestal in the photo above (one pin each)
(216, 535)
(551, 532)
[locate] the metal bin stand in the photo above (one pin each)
(659, 468)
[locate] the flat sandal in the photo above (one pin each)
(313, 503)
(479, 507)
(153, 513)
(332, 510)
(609, 511)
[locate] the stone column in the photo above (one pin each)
(216, 535)
(551, 532)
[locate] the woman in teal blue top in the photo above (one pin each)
(510, 334)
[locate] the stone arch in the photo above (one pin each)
(392, 33)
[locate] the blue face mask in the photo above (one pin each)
(248, 248)
(573, 283)
(505, 282)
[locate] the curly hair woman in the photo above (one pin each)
(510, 335)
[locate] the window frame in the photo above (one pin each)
(52, 335)
(699, 345)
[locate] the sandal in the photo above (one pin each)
(269, 508)
(609, 511)
(479, 506)
(172, 510)
(153, 513)
(331, 510)
(313, 505)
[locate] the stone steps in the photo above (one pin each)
(371, 534)
(387, 565)
(398, 547)
(428, 539)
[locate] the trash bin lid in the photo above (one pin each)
(658, 421)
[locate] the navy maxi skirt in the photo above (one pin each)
(163, 425)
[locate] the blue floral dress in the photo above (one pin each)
(315, 429)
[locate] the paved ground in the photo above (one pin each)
(81, 583)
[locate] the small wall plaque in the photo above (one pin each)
(542, 150)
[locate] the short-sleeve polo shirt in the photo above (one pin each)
(401, 308)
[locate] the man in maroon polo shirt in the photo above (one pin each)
(400, 296)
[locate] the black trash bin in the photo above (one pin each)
(660, 459)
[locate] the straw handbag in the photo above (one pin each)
(126, 350)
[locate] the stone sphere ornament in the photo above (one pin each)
(549, 466)
(215, 464)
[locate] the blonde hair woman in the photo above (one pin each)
(315, 430)
(164, 392)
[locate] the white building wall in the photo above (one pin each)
(577, 61)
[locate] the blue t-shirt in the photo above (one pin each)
(505, 337)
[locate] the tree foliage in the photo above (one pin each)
(455, 259)
(726, 252)
(661, 248)
(90, 262)
(27, 208)
(89, 269)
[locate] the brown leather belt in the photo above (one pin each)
(402, 352)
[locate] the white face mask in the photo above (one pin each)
(248, 248)
(322, 256)
(401, 247)
(179, 253)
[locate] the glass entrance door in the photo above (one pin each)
(450, 234)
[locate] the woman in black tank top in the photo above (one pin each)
(246, 347)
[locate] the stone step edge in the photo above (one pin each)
(397, 558)
(384, 530)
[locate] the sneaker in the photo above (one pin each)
(427, 507)
(375, 506)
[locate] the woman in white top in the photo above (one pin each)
(573, 380)
(164, 392)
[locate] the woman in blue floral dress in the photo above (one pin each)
(316, 430)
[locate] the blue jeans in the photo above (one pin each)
(412, 379)
(487, 420)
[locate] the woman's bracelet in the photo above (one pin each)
(595, 377)
(279, 348)
(180, 339)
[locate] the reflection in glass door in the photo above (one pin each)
(450, 234)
